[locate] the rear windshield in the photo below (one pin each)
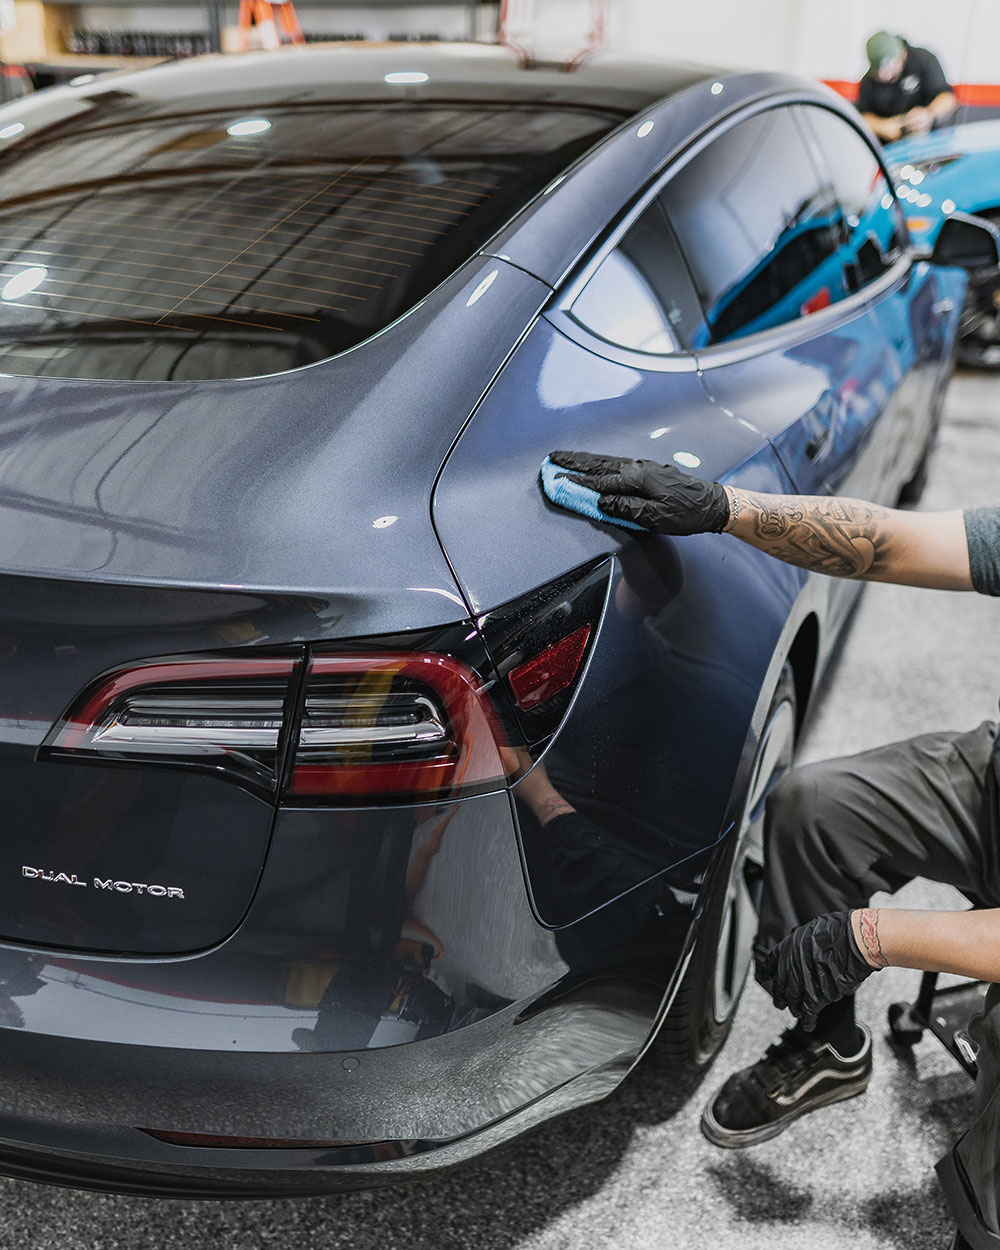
(232, 243)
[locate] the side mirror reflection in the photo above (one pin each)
(967, 242)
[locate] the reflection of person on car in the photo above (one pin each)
(18, 978)
(575, 824)
(904, 91)
(587, 859)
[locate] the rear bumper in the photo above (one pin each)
(390, 1001)
(80, 1112)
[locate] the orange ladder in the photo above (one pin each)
(275, 21)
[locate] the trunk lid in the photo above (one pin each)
(140, 521)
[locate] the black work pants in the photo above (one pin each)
(839, 831)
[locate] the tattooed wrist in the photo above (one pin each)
(871, 943)
(734, 510)
(550, 808)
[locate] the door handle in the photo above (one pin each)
(815, 444)
(822, 419)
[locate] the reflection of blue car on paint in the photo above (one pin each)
(957, 168)
(762, 298)
(834, 255)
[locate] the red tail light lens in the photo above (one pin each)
(391, 720)
(222, 713)
(395, 726)
(544, 676)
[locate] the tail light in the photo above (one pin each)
(413, 718)
(394, 726)
(538, 645)
(222, 714)
(544, 676)
(345, 728)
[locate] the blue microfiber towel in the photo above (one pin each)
(560, 490)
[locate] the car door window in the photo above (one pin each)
(758, 227)
(873, 235)
(641, 296)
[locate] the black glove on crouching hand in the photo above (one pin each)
(656, 496)
(816, 965)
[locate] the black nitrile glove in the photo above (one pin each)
(656, 496)
(816, 965)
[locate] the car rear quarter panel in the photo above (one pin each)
(655, 739)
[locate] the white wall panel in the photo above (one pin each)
(763, 34)
(806, 36)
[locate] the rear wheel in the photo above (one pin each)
(703, 1011)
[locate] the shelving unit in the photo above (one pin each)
(43, 38)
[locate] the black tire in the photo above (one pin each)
(702, 1013)
(913, 490)
(978, 343)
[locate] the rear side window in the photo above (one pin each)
(873, 235)
(159, 241)
(641, 296)
(758, 227)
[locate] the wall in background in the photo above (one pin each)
(761, 35)
(822, 40)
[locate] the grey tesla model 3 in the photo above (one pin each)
(361, 809)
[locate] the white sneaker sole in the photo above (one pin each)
(736, 1139)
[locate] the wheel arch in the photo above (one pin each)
(803, 655)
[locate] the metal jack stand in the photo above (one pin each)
(946, 1013)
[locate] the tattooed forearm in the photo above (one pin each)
(841, 537)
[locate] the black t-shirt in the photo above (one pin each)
(921, 81)
(982, 530)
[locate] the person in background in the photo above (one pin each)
(904, 91)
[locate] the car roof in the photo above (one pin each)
(466, 72)
(552, 234)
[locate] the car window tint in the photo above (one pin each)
(872, 221)
(641, 296)
(143, 239)
(759, 230)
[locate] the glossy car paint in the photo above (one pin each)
(367, 993)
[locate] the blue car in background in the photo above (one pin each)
(363, 809)
(956, 169)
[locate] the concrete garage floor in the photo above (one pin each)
(634, 1172)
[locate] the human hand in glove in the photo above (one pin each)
(815, 965)
(656, 496)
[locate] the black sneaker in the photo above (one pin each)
(797, 1074)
